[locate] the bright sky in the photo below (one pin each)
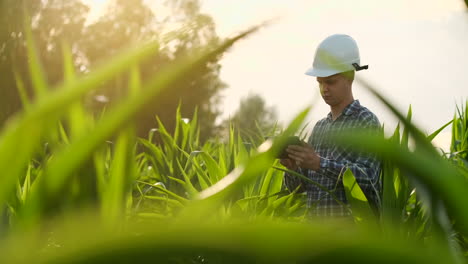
(97, 7)
(416, 51)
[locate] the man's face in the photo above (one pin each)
(334, 89)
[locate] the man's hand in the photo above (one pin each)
(304, 156)
(289, 163)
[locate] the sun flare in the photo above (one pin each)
(95, 3)
(97, 8)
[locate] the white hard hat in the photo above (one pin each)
(337, 53)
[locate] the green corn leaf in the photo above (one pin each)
(22, 91)
(177, 126)
(35, 68)
(26, 184)
(280, 201)
(157, 157)
(202, 175)
(120, 177)
(62, 133)
(168, 140)
(181, 182)
(242, 176)
(223, 159)
(191, 190)
(100, 160)
(59, 170)
(294, 208)
(165, 191)
(262, 242)
(172, 202)
(356, 198)
(28, 127)
(406, 130)
(435, 133)
(135, 81)
(214, 171)
(241, 152)
(266, 183)
(276, 182)
(194, 132)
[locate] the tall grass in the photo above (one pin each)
(76, 189)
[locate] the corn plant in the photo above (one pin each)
(84, 189)
(175, 170)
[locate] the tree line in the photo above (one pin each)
(58, 23)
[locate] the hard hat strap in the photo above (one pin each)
(358, 68)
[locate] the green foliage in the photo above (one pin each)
(51, 23)
(459, 146)
(125, 23)
(80, 188)
(357, 199)
(198, 242)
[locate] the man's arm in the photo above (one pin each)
(366, 169)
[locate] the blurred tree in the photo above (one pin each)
(178, 25)
(253, 117)
(52, 22)
(132, 21)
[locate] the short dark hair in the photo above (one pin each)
(349, 75)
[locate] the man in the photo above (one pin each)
(321, 160)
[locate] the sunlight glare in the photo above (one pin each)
(97, 8)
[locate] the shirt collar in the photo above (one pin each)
(348, 110)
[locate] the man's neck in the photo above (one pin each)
(336, 110)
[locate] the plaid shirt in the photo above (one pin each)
(334, 160)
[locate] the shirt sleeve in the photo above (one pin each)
(366, 169)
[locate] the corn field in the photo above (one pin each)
(76, 188)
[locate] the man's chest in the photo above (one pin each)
(324, 139)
